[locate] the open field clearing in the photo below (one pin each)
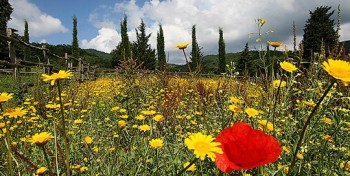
(146, 125)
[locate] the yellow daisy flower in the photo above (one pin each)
(151, 112)
(287, 66)
(275, 44)
(17, 112)
(40, 139)
(265, 125)
(251, 112)
(41, 170)
(156, 143)
(4, 97)
(144, 128)
(158, 118)
(235, 108)
(327, 138)
(234, 99)
(338, 69)
(121, 123)
(327, 121)
(57, 76)
(88, 140)
(191, 168)
(182, 45)
(203, 146)
(277, 83)
(309, 103)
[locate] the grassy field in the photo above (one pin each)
(137, 124)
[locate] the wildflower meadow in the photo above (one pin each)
(168, 125)
(290, 123)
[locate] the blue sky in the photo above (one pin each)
(98, 21)
(64, 10)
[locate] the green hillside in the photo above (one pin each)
(346, 45)
(92, 56)
(101, 54)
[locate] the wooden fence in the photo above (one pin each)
(82, 71)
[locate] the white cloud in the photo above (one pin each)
(40, 24)
(43, 41)
(237, 18)
(106, 40)
(102, 17)
(344, 32)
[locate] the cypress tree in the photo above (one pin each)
(195, 54)
(244, 64)
(123, 49)
(142, 50)
(294, 38)
(319, 27)
(222, 53)
(26, 50)
(125, 43)
(5, 15)
(75, 45)
(161, 49)
(338, 30)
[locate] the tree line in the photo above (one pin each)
(320, 36)
(91, 56)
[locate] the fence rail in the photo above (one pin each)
(83, 71)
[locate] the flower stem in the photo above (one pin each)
(274, 107)
(188, 64)
(7, 142)
(9, 159)
(56, 152)
(273, 64)
(66, 142)
(47, 159)
(301, 136)
(188, 166)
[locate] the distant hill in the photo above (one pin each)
(346, 45)
(92, 56)
(101, 54)
(210, 62)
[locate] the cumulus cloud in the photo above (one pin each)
(236, 18)
(43, 41)
(40, 24)
(344, 32)
(102, 17)
(105, 41)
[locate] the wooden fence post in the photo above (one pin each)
(47, 69)
(88, 71)
(93, 71)
(12, 54)
(82, 71)
(66, 61)
(79, 68)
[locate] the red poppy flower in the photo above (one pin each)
(245, 148)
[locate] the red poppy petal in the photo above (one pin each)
(245, 148)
